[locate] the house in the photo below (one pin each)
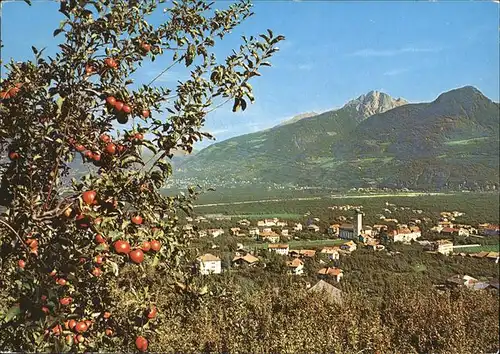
(308, 253)
(491, 230)
(352, 231)
(235, 231)
(364, 238)
(405, 235)
(378, 228)
(348, 246)
(279, 248)
(302, 253)
(253, 231)
(335, 273)
(215, 232)
(445, 223)
(188, 228)
(294, 253)
(330, 292)
(269, 236)
(267, 229)
(443, 247)
(202, 233)
(449, 231)
(296, 266)
(284, 232)
(374, 245)
(189, 219)
(467, 281)
(463, 232)
(313, 227)
(199, 219)
(395, 221)
(248, 259)
(267, 222)
(209, 264)
(333, 229)
(282, 224)
(332, 252)
(244, 222)
(297, 227)
(494, 256)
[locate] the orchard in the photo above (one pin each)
(84, 257)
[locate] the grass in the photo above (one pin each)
(485, 248)
(301, 244)
(419, 268)
(268, 216)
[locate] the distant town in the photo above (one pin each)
(338, 240)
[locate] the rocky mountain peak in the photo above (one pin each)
(375, 102)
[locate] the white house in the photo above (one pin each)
(253, 231)
(444, 247)
(279, 248)
(332, 252)
(215, 232)
(244, 222)
(202, 233)
(297, 227)
(405, 235)
(349, 246)
(296, 267)
(235, 231)
(271, 236)
(209, 264)
(284, 232)
(313, 227)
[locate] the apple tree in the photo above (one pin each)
(86, 149)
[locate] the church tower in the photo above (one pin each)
(358, 223)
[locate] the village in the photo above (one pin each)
(340, 239)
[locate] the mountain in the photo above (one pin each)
(297, 118)
(375, 102)
(373, 140)
(285, 147)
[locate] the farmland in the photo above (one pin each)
(478, 207)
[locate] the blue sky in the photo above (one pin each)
(334, 51)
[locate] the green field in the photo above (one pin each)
(303, 244)
(484, 248)
(478, 207)
(271, 215)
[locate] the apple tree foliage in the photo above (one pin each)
(71, 239)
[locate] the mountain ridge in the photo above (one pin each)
(429, 140)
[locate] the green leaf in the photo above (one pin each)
(101, 247)
(129, 160)
(59, 104)
(13, 312)
(243, 104)
(57, 31)
(150, 146)
(236, 105)
(114, 267)
(156, 260)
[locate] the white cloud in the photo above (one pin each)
(368, 52)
